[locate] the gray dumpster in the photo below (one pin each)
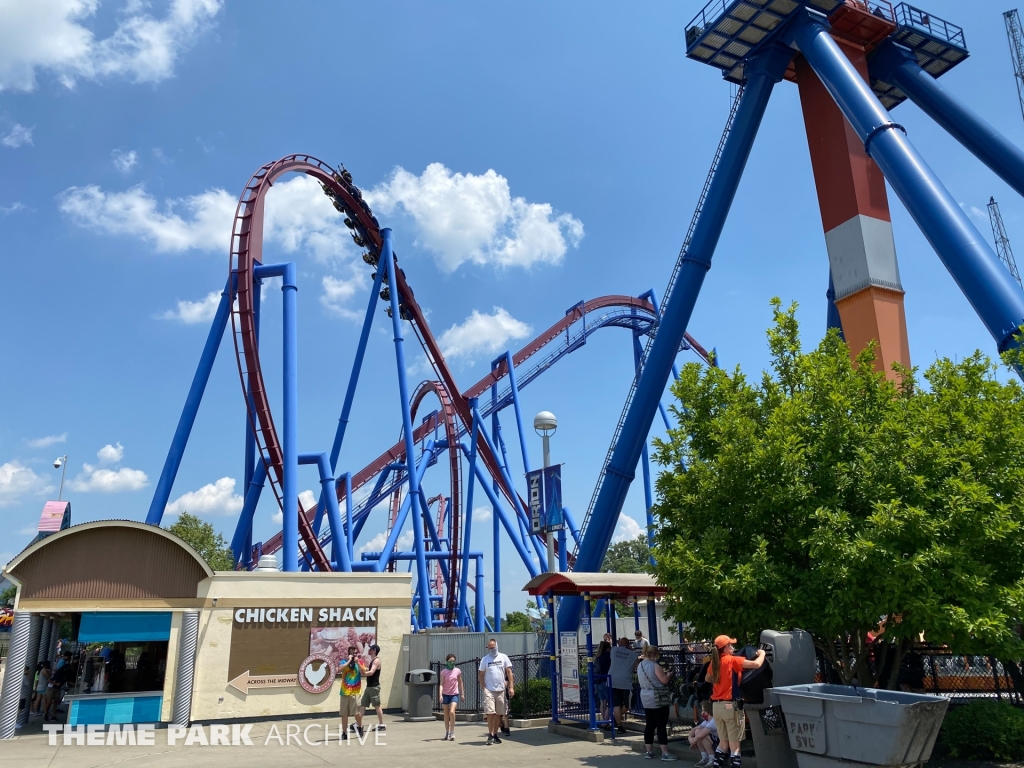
(832, 724)
(791, 656)
(420, 684)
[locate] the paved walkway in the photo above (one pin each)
(403, 744)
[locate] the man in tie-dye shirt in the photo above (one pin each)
(351, 676)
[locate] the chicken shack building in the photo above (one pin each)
(162, 638)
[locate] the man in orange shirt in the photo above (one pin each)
(731, 721)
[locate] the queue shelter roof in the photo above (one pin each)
(617, 585)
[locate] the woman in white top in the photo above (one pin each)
(656, 698)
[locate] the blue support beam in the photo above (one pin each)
(162, 494)
(763, 71)
(290, 427)
(896, 64)
(388, 259)
(339, 548)
(986, 283)
(240, 547)
(468, 528)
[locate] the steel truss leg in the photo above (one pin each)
(188, 414)
(763, 72)
(989, 288)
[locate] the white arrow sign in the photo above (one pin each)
(245, 681)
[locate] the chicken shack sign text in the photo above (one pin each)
(324, 616)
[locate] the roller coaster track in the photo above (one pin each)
(246, 254)
(668, 292)
(605, 311)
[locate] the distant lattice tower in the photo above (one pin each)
(1015, 36)
(995, 218)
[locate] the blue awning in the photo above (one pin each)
(119, 626)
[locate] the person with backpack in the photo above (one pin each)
(656, 697)
(725, 673)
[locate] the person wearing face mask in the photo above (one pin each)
(452, 691)
(495, 671)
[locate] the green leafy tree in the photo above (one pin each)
(825, 497)
(7, 595)
(630, 556)
(205, 540)
(516, 621)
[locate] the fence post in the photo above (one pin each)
(995, 676)
(935, 674)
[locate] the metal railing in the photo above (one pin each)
(909, 16)
(532, 673)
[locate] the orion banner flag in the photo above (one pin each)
(553, 520)
(544, 497)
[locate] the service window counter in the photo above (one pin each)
(121, 668)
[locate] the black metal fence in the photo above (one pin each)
(926, 669)
(532, 673)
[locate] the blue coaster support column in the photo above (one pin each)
(763, 71)
(162, 494)
(290, 428)
(591, 710)
(468, 527)
(422, 585)
(895, 64)
(988, 286)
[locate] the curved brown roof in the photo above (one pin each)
(109, 560)
(597, 584)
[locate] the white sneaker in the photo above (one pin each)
(704, 761)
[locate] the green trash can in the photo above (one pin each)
(832, 724)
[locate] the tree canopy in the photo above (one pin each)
(825, 497)
(205, 540)
(517, 621)
(629, 556)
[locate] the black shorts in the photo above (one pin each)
(620, 697)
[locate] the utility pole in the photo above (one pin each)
(1015, 36)
(1003, 250)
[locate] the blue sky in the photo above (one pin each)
(527, 156)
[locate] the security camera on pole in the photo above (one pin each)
(546, 488)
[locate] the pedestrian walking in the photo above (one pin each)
(602, 663)
(371, 694)
(452, 691)
(725, 674)
(656, 698)
(351, 675)
(494, 674)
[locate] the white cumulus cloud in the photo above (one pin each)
(217, 498)
(465, 217)
(18, 136)
(17, 480)
(124, 161)
(627, 529)
(104, 479)
(46, 442)
(192, 312)
(337, 293)
(482, 334)
(205, 225)
(110, 454)
(376, 544)
(50, 35)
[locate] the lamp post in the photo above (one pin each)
(61, 463)
(545, 424)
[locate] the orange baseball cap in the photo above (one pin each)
(723, 640)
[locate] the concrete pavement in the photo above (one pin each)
(402, 744)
